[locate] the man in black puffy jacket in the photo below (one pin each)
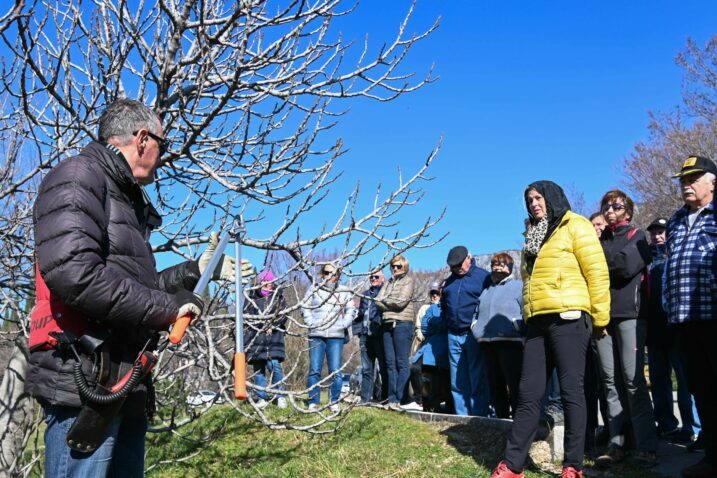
(96, 276)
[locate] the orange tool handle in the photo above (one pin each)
(179, 328)
(240, 375)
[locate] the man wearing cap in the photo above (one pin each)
(367, 326)
(690, 294)
(459, 302)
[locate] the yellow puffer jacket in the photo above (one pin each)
(570, 273)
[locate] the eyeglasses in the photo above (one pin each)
(615, 207)
(374, 277)
(397, 266)
(162, 142)
(327, 273)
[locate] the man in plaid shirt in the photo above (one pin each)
(691, 296)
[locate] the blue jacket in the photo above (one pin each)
(369, 317)
(500, 312)
(459, 298)
(434, 349)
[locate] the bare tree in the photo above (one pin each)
(676, 135)
(247, 91)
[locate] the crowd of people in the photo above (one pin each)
(570, 334)
(566, 341)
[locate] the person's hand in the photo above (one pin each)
(189, 304)
(599, 332)
(225, 267)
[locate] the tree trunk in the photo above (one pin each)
(15, 410)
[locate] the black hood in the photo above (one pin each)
(555, 200)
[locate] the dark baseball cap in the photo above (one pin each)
(697, 164)
(658, 222)
(456, 256)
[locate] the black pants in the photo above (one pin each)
(503, 362)
(594, 396)
(437, 390)
(415, 394)
(551, 342)
(696, 341)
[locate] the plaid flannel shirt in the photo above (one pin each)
(691, 269)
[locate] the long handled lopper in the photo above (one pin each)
(239, 355)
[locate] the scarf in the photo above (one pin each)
(535, 237)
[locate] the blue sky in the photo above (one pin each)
(527, 90)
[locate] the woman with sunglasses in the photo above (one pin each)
(565, 294)
(397, 300)
(621, 351)
(328, 310)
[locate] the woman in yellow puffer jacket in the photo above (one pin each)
(566, 297)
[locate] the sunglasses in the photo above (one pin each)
(374, 277)
(615, 207)
(397, 266)
(162, 142)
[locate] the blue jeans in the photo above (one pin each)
(121, 454)
(273, 368)
(332, 349)
(397, 349)
(469, 383)
(663, 359)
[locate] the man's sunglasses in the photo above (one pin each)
(162, 142)
(374, 277)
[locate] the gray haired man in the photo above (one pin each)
(100, 300)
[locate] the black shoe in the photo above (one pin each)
(662, 433)
(697, 445)
(683, 436)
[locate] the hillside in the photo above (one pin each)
(372, 443)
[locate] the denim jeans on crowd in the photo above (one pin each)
(273, 369)
(397, 341)
(469, 382)
(331, 348)
(663, 359)
(121, 454)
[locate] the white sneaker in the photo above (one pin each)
(412, 406)
(281, 402)
(261, 403)
(313, 407)
(335, 408)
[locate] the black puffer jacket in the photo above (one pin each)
(92, 225)
(261, 345)
(628, 255)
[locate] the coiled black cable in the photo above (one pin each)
(87, 393)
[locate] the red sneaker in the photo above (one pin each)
(570, 472)
(502, 471)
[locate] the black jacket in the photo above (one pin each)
(92, 223)
(628, 255)
(260, 345)
(658, 332)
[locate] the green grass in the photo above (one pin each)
(371, 443)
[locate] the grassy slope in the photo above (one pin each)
(372, 443)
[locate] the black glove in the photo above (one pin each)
(189, 304)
